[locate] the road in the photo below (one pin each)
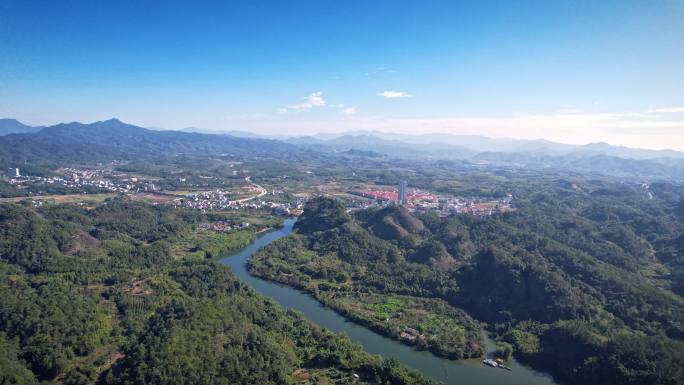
(262, 191)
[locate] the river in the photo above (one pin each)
(470, 372)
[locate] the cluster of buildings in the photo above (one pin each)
(415, 199)
(80, 178)
(97, 178)
(223, 226)
(224, 200)
(259, 199)
(108, 180)
(207, 200)
(74, 178)
(476, 206)
(401, 195)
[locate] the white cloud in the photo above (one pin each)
(311, 101)
(666, 110)
(315, 100)
(394, 94)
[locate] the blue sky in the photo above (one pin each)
(570, 71)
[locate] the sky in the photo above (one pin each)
(568, 71)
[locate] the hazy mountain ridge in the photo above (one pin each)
(588, 162)
(13, 126)
(115, 140)
(594, 158)
(478, 144)
(394, 148)
(434, 144)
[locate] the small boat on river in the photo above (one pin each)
(495, 364)
(490, 362)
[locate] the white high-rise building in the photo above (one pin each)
(403, 187)
(13, 172)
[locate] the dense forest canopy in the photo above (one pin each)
(583, 280)
(111, 295)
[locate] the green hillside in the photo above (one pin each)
(106, 296)
(584, 285)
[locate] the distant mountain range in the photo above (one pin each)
(13, 126)
(115, 140)
(593, 158)
(434, 145)
(464, 146)
(389, 147)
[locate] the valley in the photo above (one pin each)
(437, 263)
(341, 192)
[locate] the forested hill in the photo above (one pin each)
(586, 285)
(13, 126)
(122, 293)
(115, 140)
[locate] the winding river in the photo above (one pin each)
(470, 372)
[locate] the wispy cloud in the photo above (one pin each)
(316, 100)
(380, 70)
(394, 94)
(666, 110)
(249, 116)
(311, 101)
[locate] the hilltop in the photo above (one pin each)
(13, 126)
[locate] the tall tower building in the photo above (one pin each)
(13, 172)
(401, 199)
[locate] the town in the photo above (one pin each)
(251, 196)
(418, 200)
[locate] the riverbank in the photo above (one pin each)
(425, 324)
(464, 372)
